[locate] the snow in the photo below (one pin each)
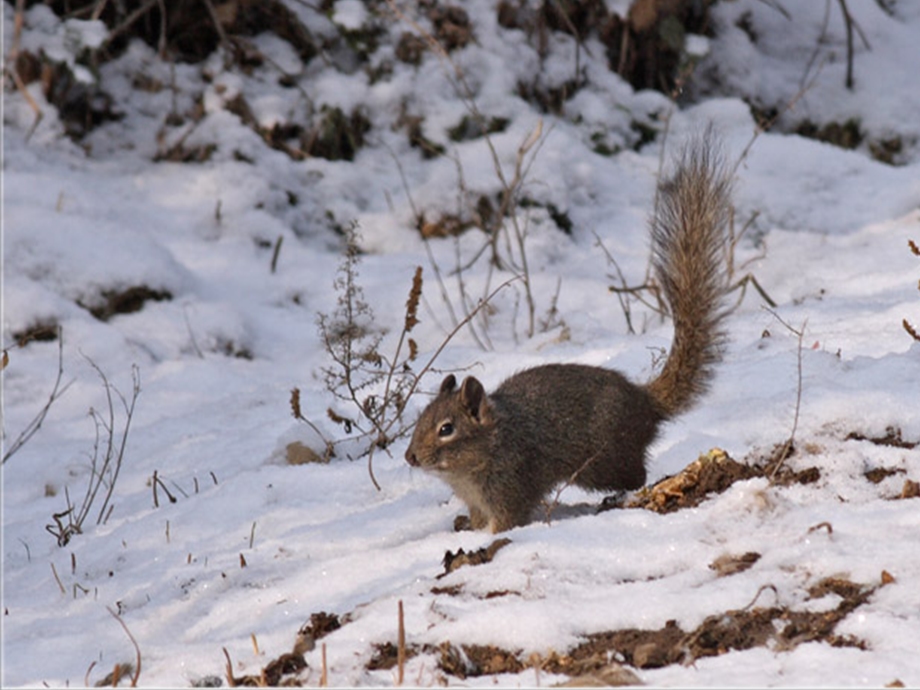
(218, 359)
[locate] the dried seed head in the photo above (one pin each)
(295, 403)
(415, 295)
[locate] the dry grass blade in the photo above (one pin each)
(790, 442)
(137, 649)
(401, 647)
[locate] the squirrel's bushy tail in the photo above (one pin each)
(689, 230)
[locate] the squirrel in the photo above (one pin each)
(585, 425)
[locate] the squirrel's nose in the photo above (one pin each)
(411, 459)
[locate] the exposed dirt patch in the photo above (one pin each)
(739, 629)
(41, 331)
(463, 661)
(280, 672)
(731, 564)
(453, 561)
(319, 625)
(124, 301)
(711, 474)
(891, 438)
(452, 26)
(780, 627)
(468, 661)
(879, 474)
(386, 656)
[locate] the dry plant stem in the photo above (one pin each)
(231, 681)
(56, 392)
(742, 284)
(761, 128)
(89, 670)
(130, 20)
(137, 649)
(385, 428)
(114, 456)
(276, 253)
(510, 194)
(436, 269)
(763, 588)
(850, 26)
(482, 303)
(98, 9)
(482, 339)
(17, 31)
(509, 189)
(779, 8)
(748, 278)
(411, 310)
(10, 68)
(848, 21)
(298, 414)
(401, 646)
(557, 497)
(787, 447)
(161, 46)
(912, 330)
(219, 28)
(58, 579)
(106, 473)
(637, 292)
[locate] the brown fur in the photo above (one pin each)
(502, 453)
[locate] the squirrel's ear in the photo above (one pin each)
(473, 398)
(448, 384)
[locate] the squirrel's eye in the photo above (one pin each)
(447, 429)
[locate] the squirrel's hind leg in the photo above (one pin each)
(613, 471)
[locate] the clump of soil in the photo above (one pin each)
(711, 474)
(891, 438)
(124, 301)
(780, 627)
(453, 561)
(739, 629)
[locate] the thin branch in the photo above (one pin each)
(56, 392)
(137, 649)
(848, 22)
(787, 447)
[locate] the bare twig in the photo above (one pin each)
(912, 330)
(56, 392)
(625, 293)
(761, 590)
(137, 649)
(510, 188)
(231, 681)
(58, 579)
(276, 252)
(848, 22)
(105, 473)
(550, 506)
(10, 68)
(762, 127)
(400, 646)
(219, 28)
(790, 442)
(130, 20)
(415, 379)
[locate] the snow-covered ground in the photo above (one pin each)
(251, 546)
